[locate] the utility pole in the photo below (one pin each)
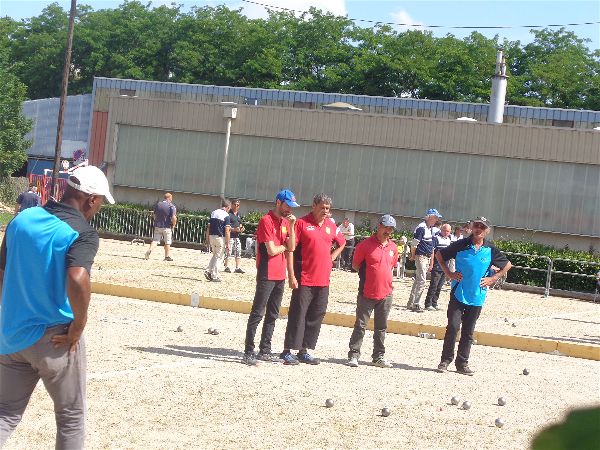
(63, 100)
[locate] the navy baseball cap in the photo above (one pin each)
(387, 221)
(287, 196)
(483, 221)
(433, 212)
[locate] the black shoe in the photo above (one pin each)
(227, 270)
(250, 359)
(238, 270)
(442, 367)
(464, 370)
(268, 357)
(417, 309)
(207, 275)
(168, 258)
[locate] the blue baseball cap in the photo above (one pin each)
(433, 212)
(287, 196)
(387, 221)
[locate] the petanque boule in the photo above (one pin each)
(179, 329)
(466, 405)
(329, 403)
(455, 400)
(211, 330)
(525, 371)
(499, 422)
(501, 401)
(514, 324)
(215, 332)
(385, 411)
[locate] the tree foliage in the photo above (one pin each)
(315, 51)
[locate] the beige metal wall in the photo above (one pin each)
(476, 138)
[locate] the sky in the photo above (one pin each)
(447, 14)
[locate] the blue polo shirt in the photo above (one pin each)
(163, 214)
(39, 246)
(473, 265)
(219, 220)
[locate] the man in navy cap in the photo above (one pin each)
(421, 252)
(474, 257)
(374, 259)
(275, 239)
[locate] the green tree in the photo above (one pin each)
(13, 124)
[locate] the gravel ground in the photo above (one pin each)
(533, 315)
(151, 387)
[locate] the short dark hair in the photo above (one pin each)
(225, 203)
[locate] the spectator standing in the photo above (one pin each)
(45, 262)
(441, 240)
(374, 259)
(474, 257)
(455, 236)
(276, 239)
(28, 199)
(235, 245)
(347, 230)
(218, 236)
(421, 252)
(315, 236)
(165, 219)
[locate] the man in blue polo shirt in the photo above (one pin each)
(219, 231)
(421, 252)
(165, 219)
(28, 199)
(474, 257)
(45, 262)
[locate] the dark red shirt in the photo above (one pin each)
(376, 261)
(312, 258)
(271, 228)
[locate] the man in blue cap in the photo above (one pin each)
(421, 252)
(275, 240)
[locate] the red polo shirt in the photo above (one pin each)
(271, 228)
(376, 261)
(312, 258)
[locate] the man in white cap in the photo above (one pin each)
(421, 252)
(45, 262)
(374, 259)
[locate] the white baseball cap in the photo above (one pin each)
(91, 181)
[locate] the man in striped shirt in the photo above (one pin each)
(421, 252)
(440, 240)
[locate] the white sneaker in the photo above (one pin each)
(147, 255)
(381, 362)
(352, 362)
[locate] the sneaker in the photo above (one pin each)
(464, 370)
(215, 280)
(288, 359)
(207, 275)
(417, 309)
(227, 270)
(269, 357)
(249, 359)
(147, 255)
(307, 358)
(409, 305)
(352, 362)
(168, 258)
(238, 270)
(381, 362)
(442, 367)
(430, 308)
(437, 308)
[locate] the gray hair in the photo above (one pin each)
(225, 203)
(322, 198)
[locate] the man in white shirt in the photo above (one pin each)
(347, 230)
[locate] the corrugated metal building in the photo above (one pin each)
(535, 182)
(44, 114)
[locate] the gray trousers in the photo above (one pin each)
(364, 308)
(64, 376)
(422, 264)
(217, 244)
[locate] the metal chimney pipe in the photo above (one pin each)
(498, 97)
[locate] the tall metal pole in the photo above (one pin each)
(63, 99)
(225, 156)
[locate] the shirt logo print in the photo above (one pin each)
(327, 230)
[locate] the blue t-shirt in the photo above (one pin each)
(473, 265)
(39, 246)
(163, 214)
(219, 219)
